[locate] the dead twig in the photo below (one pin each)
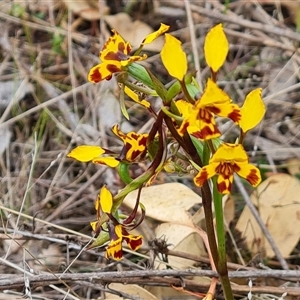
(150, 277)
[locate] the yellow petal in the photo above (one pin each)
(173, 57)
(154, 35)
(216, 47)
(205, 173)
(94, 225)
(131, 59)
(114, 249)
(250, 173)
(185, 108)
(114, 45)
(134, 242)
(212, 95)
(230, 152)
(106, 200)
(135, 143)
(104, 71)
(86, 153)
(135, 97)
(252, 111)
(228, 110)
(108, 161)
(115, 129)
(224, 183)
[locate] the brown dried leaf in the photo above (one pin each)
(293, 166)
(133, 31)
(167, 202)
(277, 200)
(87, 9)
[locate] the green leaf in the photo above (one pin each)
(173, 90)
(198, 145)
(102, 238)
(159, 87)
(139, 73)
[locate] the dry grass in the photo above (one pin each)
(47, 107)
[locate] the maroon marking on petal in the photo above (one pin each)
(134, 135)
(143, 141)
(113, 68)
(236, 168)
(198, 135)
(222, 188)
(121, 47)
(133, 243)
(183, 129)
(205, 115)
(96, 76)
(213, 109)
(226, 169)
(111, 56)
(235, 115)
(253, 178)
(118, 254)
(134, 155)
(206, 131)
(202, 178)
(124, 232)
(118, 56)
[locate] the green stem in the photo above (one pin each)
(218, 254)
(222, 261)
(186, 92)
(123, 170)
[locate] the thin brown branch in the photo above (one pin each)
(157, 277)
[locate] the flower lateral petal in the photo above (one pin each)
(173, 57)
(250, 173)
(131, 94)
(104, 71)
(154, 35)
(134, 143)
(216, 47)
(106, 200)
(107, 161)
(205, 173)
(86, 153)
(253, 110)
